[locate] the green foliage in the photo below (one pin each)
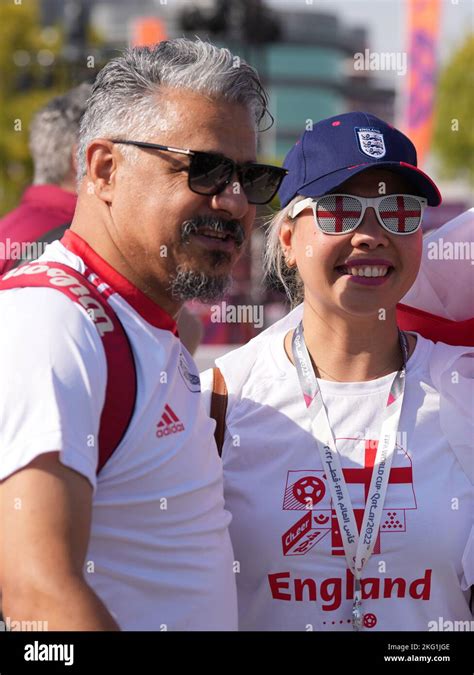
(23, 89)
(454, 127)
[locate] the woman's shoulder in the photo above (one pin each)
(438, 358)
(238, 367)
(244, 363)
(449, 363)
(252, 360)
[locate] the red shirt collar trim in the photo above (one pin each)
(141, 303)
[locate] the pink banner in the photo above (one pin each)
(423, 33)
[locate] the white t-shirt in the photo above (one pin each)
(160, 555)
(293, 573)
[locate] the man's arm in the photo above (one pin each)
(45, 519)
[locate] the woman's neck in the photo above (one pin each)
(351, 349)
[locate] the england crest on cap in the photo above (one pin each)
(371, 141)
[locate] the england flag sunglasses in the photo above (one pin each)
(209, 173)
(340, 213)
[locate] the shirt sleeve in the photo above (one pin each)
(452, 370)
(53, 378)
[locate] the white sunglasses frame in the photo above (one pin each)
(365, 201)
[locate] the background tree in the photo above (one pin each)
(27, 55)
(37, 62)
(453, 140)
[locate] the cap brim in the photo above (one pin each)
(422, 183)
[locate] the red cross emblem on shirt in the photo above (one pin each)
(363, 476)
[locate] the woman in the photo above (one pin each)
(347, 444)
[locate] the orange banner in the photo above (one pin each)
(147, 31)
(423, 33)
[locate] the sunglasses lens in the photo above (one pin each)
(401, 214)
(260, 183)
(208, 173)
(337, 214)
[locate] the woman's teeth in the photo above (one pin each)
(372, 271)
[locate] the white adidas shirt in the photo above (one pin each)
(293, 573)
(160, 547)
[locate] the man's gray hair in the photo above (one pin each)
(124, 102)
(54, 131)
(277, 271)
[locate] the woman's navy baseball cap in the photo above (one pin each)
(340, 147)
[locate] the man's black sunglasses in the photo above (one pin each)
(209, 173)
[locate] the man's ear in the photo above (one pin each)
(102, 165)
(286, 240)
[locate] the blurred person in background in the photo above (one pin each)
(47, 206)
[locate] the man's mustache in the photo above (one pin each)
(231, 228)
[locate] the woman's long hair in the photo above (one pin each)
(277, 271)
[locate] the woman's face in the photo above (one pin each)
(320, 257)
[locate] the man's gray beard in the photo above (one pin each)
(192, 285)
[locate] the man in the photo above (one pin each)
(47, 206)
(145, 544)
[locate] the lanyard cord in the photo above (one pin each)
(357, 548)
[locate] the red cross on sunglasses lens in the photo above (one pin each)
(339, 213)
(209, 173)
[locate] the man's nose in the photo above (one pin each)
(232, 199)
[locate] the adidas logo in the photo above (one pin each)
(169, 423)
